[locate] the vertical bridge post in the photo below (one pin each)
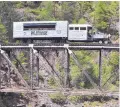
(67, 70)
(100, 68)
(38, 68)
(0, 68)
(31, 65)
(9, 55)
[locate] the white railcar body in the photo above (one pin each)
(56, 30)
(40, 29)
(78, 32)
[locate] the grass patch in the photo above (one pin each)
(58, 98)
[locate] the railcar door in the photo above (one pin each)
(89, 33)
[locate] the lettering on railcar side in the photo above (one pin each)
(38, 32)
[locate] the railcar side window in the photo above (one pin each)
(71, 28)
(39, 26)
(76, 28)
(82, 28)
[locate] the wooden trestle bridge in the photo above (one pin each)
(34, 50)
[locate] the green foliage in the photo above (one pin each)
(82, 21)
(60, 69)
(112, 87)
(111, 67)
(21, 58)
(88, 63)
(19, 5)
(8, 15)
(26, 77)
(75, 72)
(74, 21)
(93, 104)
(114, 58)
(105, 14)
(35, 11)
(2, 28)
(58, 98)
(3, 31)
(44, 12)
(52, 82)
(75, 99)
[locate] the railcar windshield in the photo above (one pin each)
(39, 26)
(90, 30)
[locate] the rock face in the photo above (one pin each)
(12, 100)
(5, 73)
(43, 100)
(9, 77)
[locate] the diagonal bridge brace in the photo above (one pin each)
(78, 64)
(18, 62)
(54, 71)
(35, 52)
(16, 70)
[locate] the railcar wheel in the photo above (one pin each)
(106, 42)
(100, 42)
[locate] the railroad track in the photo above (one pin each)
(60, 46)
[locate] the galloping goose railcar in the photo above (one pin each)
(56, 30)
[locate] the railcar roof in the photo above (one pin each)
(79, 25)
(41, 21)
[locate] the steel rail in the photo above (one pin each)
(60, 47)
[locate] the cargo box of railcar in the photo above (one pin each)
(40, 30)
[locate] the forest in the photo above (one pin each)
(102, 15)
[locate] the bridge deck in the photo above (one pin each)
(61, 46)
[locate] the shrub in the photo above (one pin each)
(52, 82)
(58, 98)
(75, 99)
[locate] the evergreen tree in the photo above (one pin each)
(105, 14)
(8, 16)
